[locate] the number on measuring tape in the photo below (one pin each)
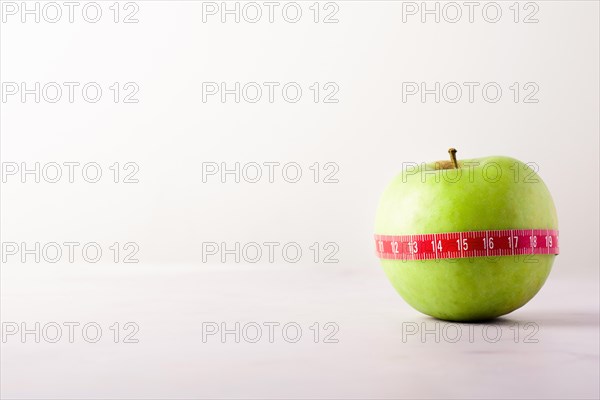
(413, 247)
(439, 245)
(488, 243)
(533, 241)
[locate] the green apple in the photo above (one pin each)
(491, 193)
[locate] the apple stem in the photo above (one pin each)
(452, 152)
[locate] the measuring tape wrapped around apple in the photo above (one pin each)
(467, 240)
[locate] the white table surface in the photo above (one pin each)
(371, 359)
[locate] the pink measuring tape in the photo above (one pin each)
(467, 244)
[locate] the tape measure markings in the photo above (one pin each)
(467, 244)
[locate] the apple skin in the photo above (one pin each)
(477, 288)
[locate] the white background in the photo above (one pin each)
(369, 134)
